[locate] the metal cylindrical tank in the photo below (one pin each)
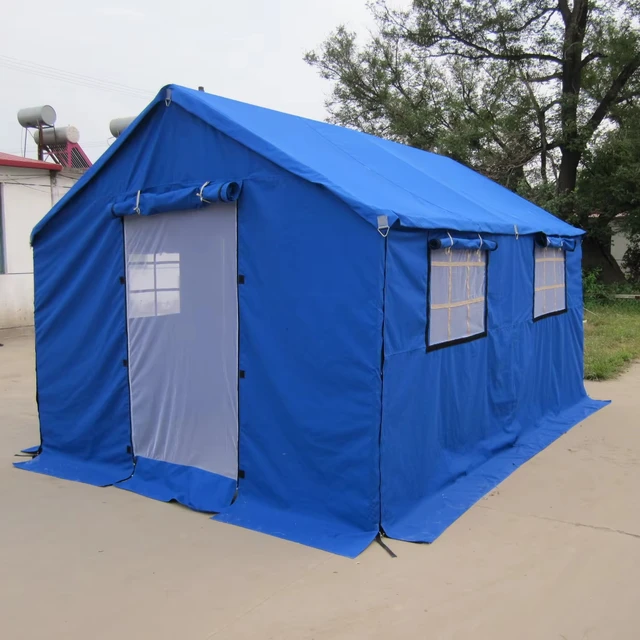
(118, 125)
(57, 135)
(34, 117)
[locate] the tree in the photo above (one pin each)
(517, 89)
(608, 187)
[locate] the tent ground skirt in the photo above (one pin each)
(332, 536)
(194, 488)
(429, 518)
(60, 466)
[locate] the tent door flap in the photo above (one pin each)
(182, 323)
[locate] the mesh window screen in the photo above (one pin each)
(182, 311)
(550, 291)
(457, 295)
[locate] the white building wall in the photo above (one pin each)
(61, 183)
(26, 195)
(16, 300)
(619, 246)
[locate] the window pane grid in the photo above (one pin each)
(154, 284)
(457, 295)
(458, 264)
(550, 286)
(453, 305)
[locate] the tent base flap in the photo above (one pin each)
(60, 466)
(332, 536)
(431, 516)
(192, 487)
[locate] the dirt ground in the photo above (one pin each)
(552, 553)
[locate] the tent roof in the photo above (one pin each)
(373, 176)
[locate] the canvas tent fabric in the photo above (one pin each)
(346, 422)
(371, 175)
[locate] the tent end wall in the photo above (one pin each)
(310, 334)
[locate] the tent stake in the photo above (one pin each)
(384, 546)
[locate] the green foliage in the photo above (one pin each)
(612, 330)
(593, 289)
(609, 183)
(631, 262)
(517, 89)
(612, 338)
(595, 292)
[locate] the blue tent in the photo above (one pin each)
(313, 332)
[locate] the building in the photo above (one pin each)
(617, 248)
(28, 189)
(619, 239)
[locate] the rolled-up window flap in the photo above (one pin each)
(448, 240)
(182, 198)
(556, 242)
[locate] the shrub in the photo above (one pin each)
(593, 288)
(631, 261)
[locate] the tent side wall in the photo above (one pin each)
(310, 335)
(458, 420)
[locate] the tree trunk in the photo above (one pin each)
(597, 256)
(575, 21)
(568, 171)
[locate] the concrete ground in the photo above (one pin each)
(552, 553)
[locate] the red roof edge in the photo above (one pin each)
(8, 160)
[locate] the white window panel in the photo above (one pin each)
(167, 302)
(141, 276)
(167, 275)
(167, 257)
(142, 304)
(153, 284)
(550, 287)
(457, 295)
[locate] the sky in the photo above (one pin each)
(93, 61)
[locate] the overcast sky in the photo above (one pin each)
(249, 50)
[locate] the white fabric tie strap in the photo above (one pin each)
(450, 247)
(137, 209)
(199, 194)
(515, 228)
